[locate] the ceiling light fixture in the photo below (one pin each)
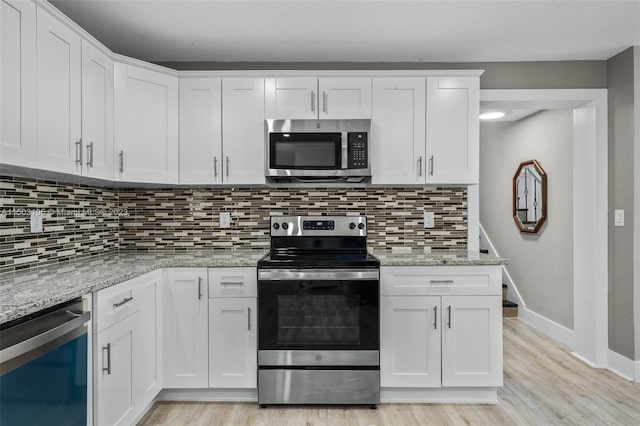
(491, 115)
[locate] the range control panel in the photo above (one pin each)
(298, 226)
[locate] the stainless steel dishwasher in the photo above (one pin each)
(43, 367)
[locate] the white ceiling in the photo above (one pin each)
(359, 30)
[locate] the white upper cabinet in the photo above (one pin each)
(425, 134)
(200, 130)
(18, 83)
(97, 112)
(398, 130)
(243, 130)
(146, 125)
(452, 151)
(337, 98)
(58, 90)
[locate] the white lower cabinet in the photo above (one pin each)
(114, 374)
(128, 324)
(410, 341)
(232, 328)
(433, 335)
(232, 342)
(186, 330)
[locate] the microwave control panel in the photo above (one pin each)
(358, 150)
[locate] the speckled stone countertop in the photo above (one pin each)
(437, 258)
(26, 292)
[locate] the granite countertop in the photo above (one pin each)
(437, 258)
(29, 291)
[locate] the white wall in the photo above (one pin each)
(542, 264)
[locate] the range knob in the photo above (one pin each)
(276, 226)
(361, 226)
(285, 226)
(352, 225)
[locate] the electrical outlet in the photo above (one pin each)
(618, 218)
(36, 221)
(429, 220)
(225, 220)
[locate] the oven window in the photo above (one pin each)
(326, 314)
(318, 320)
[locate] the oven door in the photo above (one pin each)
(307, 154)
(318, 317)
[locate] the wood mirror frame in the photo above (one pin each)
(530, 204)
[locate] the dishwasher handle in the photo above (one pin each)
(33, 346)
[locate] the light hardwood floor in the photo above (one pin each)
(543, 385)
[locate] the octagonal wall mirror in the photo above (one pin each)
(529, 197)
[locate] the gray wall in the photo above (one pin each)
(541, 264)
(497, 75)
(620, 82)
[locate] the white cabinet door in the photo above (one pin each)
(452, 129)
(471, 341)
(200, 130)
(232, 343)
(243, 130)
(147, 345)
(146, 125)
(18, 83)
(97, 112)
(58, 91)
(344, 98)
(398, 132)
(114, 384)
(291, 98)
(186, 334)
(410, 341)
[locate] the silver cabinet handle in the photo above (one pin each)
(449, 309)
(441, 281)
(435, 317)
(233, 283)
(90, 154)
(199, 288)
(215, 166)
(431, 165)
(227, 166)
(79, 151)
(248, 319)
(125, 300)
(313, 101)
(420, 166)
(108, 349)
(324, 102)
(121, 161)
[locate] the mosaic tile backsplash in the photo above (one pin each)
(78, 221)
(82, 220)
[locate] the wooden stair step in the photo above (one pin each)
(509, 309)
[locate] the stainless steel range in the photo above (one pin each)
(318, 313)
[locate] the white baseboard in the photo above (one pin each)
(556, 331)
(245, 395)
(440, 395)
(622, 366)
(637, 363)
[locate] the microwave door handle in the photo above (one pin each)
(345, 150)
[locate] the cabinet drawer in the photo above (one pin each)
(440, 280)
(114, 304)
(233, 282)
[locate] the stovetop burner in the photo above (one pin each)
(319, 259)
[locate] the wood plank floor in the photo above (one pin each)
(543, 385)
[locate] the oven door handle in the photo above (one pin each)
(318, 274)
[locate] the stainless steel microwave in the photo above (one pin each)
(318, 154)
